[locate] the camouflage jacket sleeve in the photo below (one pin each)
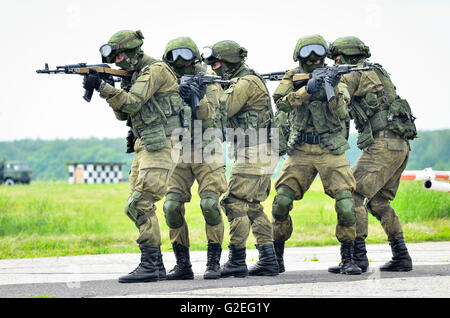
(362, 83)
(248, 89)
(209, 105)
(154, 78)
(285, 91)
(236, 96)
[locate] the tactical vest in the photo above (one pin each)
(384, 109)
(159, 116)
(219, 121)
(314, 123)
(250, 117)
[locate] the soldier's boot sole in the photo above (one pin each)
(396, 268)
(186, 276)
(126, 280)
(212, 275)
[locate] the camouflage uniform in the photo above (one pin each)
(317, 145)
(197, 164)
(384, 123)
(150, 101)
(248, 108)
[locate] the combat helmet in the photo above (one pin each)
(183, 47)
(310, 44)
(123, 41)
(227, 51)
(348, 45)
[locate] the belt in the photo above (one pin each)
(309, 138)
(386, 133)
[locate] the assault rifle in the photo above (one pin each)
(274, 76)
(327, 72)
(106, 73)
(203, 79)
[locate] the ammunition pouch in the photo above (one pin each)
(158, 118)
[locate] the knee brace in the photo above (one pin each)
(209, 204)
(173, 210)
(137, 216)
(345, 209)
(282, 204)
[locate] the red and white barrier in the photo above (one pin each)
(430, 177)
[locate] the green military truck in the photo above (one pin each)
(12, 172)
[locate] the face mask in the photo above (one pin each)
(350, 59)
(129, 63)
(182, 67)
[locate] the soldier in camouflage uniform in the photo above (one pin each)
(316, 145)
(385, 124)
(184, 57)
(150, 101)
(247, 104)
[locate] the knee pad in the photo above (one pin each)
(173, 210)
(345, 208)
(209, 204)
(282, 204)
(137, 216)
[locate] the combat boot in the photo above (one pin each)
(401, 261)
(235, 266)
(360, 255)
(147, 271)
(359, 258)
(213, 264)
(183, 268)
(347, 265)
(279, 252)
(161, 268)
(267, 264)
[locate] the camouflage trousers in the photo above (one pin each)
(149, 175)
(299, 171)
(248, 186)
(377, 173)
(210, 176)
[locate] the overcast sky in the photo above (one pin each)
(409, 38)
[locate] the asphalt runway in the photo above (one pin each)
(306, 276)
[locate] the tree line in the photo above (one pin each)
(49, 158)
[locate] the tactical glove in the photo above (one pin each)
(333, 79)
(314, 84)
(198, 90)
(185, 92)
(92, 81)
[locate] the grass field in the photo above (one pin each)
(57, 219)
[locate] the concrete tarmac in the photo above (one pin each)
(306, 276)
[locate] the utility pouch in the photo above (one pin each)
(401, 119)
(153, 138)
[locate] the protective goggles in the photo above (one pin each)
(108, 49)
(208, 55)
(306, 50)
(185, 54)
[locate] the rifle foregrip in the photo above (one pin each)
(88, 94)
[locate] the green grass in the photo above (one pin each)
(57, 219)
